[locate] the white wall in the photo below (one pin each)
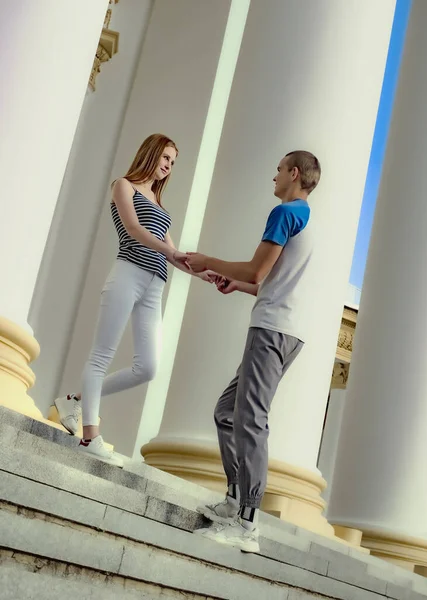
(66, 257)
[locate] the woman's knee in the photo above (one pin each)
(145, 372)
(98, 362)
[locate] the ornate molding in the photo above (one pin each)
(346, 335)
(405, 551)
(340, 376)
(344, 348)
(107, 47)
(107, 19)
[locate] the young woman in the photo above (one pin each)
(133, 289)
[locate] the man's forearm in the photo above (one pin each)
(183, 268)
(239, 271)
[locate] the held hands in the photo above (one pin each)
(183, 259)
(225, 286)
(197, 263)
(208, 276)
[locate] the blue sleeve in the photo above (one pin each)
(285, 221)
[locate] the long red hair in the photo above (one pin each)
(146, 161)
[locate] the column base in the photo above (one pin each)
(18, 349)
(349, 535)
(407, 552)
(293, 494)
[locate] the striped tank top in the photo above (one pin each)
(157, 221)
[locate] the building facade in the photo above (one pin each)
(236, 83)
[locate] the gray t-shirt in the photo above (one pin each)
(284, 298)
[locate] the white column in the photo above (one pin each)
(186, 99)
(46, 54)
(331, 431)
(380, 483)
(47, 50)
(83, 191)
(298, 84)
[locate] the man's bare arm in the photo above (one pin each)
(253, 271)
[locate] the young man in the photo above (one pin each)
(276, 336)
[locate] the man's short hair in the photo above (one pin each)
(308, 167)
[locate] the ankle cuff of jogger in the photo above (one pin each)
(251, 503)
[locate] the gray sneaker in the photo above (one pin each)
(232, 534)
(222, 512)
(69, 411)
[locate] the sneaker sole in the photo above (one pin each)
(204, 510)
(252, 549)
(104, 460)
(70, 431)
(247, 548)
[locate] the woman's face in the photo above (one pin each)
(166, 162)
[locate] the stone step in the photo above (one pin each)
(35, 437)
(29, 578)
(63, 538)
(33, 477)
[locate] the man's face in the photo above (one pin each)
(284, 178)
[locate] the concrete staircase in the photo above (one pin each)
(71, 526)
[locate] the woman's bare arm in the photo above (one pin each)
(123, 199)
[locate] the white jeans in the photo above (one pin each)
(128, 291)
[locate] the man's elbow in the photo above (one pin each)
(256, 275)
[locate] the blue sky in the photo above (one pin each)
(379, 141)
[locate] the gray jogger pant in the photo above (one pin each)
(241, 415)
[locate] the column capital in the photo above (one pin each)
(107, 47)
(346, 334)
(340, 375)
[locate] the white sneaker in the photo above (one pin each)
(232, 534)
(222, 512)
(69, 410)
(97, 449)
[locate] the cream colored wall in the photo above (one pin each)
(83, 193)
